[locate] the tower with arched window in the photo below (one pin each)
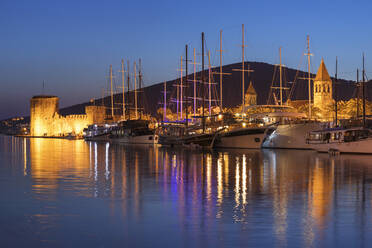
(323, 91)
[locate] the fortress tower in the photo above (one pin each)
(42, 110)
(250, 96)
(323, 91)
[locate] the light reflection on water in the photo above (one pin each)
(62, 193)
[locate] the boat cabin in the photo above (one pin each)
(337, 135)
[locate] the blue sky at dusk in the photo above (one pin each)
(70, 44)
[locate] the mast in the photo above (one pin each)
(336, 94)
(122, 79)
(280, 75)
(243, 98)
(181, 93)
(128, 86)
(202, 82)
(135, 91)
(308, 54)
(194, 84)
(112, 96)
(187, 84)
(364, 95)
(209, 84)
(221, 103)
(140, 96)
(165, 102)
(177, 100)
(358, 93)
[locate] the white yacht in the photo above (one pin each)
(291, 134)
(342, 140)
(98, 132)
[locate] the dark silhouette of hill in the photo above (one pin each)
(261, 78)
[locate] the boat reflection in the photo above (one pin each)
(292, 194)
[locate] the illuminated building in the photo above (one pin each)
(323, 91)
(250, 96)
(46, 121)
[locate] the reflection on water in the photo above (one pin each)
(148, 196)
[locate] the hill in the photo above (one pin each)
(261, 78)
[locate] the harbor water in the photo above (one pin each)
(72, 193)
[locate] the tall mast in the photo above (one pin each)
(128, 87)
(140, 96)
(209, 84)
(336, 94)
(122, 79)
(181, 93)
(187, 86)
(165, 102)
(178, 101)
(364, 95)
(358, 94)
(280, 75)
(112, 95)
(202, 82)
(308, 54)
(221, 103)
(243, 88)
(135, 91)
(194, 84)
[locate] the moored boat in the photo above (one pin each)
(341, 140)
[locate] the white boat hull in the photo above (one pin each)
(291, 136)
(244, 141)
(141, 139)
(359, 146)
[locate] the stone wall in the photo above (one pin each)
(46, 121)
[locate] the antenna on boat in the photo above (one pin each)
(335, 91)
(364, 95)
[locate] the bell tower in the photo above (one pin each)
(323, 91)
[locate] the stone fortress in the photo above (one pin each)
(45, 119)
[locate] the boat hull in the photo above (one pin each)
(150, 139)
(291, 136)
(242, 138)
(360, 146)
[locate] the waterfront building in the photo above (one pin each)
(322, 90)
(45, 119)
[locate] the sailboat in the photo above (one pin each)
(340, 139)
(133, 131)
(183, 133)
(241, 134)
(291, 130)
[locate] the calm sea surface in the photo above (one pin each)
(62, 193)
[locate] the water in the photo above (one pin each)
(62, 193)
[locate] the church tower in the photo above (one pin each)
(323, 91)
(250, 96)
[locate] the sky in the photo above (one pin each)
(70, 44)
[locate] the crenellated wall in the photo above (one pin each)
(46, 121)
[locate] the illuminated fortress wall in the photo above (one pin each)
(46, 121)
